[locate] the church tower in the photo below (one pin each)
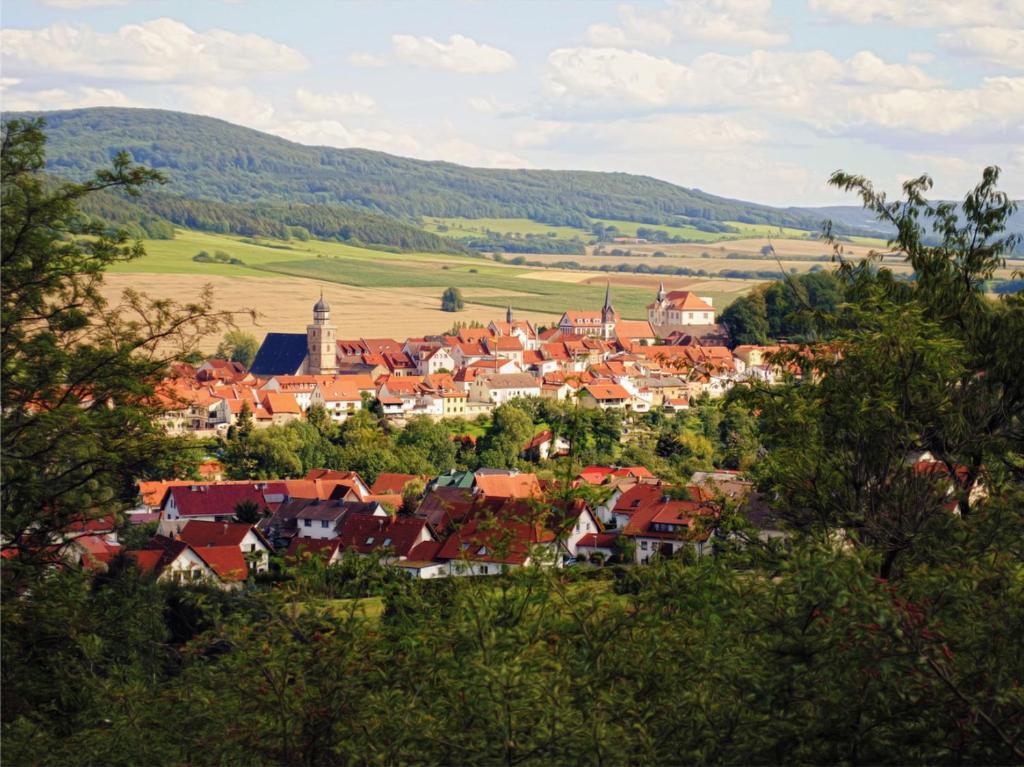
(508, 314)
(322, 341)
(608, 316)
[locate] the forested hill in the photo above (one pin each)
(211, 159)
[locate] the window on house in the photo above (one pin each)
(323, 523)
(369, 540)
(483, 569)
(643, 545)
(387, 542)
(307, 523)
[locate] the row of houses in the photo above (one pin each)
(463, 523)
(464, 375)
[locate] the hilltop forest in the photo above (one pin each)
(210, 159)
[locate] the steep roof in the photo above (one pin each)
(508, 486)
(502, 540)
(391, 483)
(634, 329)
(221, 499)
(307, 548)
(227, 561)
(363, 533)
(280, 354)
(201, 533)
(606, 391)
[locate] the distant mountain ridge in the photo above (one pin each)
(256, 174)
(212, 159)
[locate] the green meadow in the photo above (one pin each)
(365, 268)
(461, 228)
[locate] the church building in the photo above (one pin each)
(599, 324)
(314, 352)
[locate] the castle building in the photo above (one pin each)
(678, 310)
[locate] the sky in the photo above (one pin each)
(754, 99)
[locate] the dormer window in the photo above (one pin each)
(482, 551)
(369, 540)
(387, 542)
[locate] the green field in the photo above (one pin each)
(484, 282)
(175, 256)
(525, 294)
(629, 229)
(461, 228)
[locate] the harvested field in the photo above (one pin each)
(285, 304)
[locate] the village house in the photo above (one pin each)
(501, 388)
(216, 502)
(679, 309)
(255, 549)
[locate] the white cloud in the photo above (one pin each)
(449, 149)
(868, 69)
(459, 54)
(994, 106)
(238, 105)
(60, 98)
(611, 75)
(735, 22)
(1000, 45)
(367, 60)
(334, 133)
(492, 105)
(794, 82)
(920, 57)
(922, 13)
(336, 103)
(466, 152)
(657, 133)
(162, 50)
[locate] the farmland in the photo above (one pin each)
(375, 293)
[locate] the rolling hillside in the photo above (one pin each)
(211, 159)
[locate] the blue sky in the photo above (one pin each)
(753, 99)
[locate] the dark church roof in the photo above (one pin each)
(281, 354)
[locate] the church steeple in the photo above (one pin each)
(608, 311)
(321, 341)
(508, 314)
(661, 291)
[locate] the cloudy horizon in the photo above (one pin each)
(742, 98)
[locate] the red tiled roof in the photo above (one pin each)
(227, 562)
(639, 497)
(606, 391)
(502, 540)
(221, 499)
(365, 533)
(506, 486)
(597, 540)
(303, 548)
(201, 533)
(391, 483)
